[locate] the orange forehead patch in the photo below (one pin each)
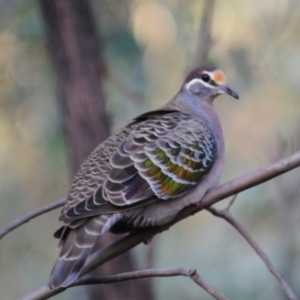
(218, 77)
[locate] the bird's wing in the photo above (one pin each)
(162, 155)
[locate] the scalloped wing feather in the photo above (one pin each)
(163, 156)
(158, 157)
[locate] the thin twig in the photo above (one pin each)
(31, 215)
(154, 273)
(230, 202)
(215, 195)
(225, 214)
(223, 191)
(206, 286)
(134, 275)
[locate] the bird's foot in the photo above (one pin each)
(148, 241)
(197, 205)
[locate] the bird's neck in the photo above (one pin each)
(203, 109)
(207, 112)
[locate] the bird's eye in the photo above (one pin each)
(205, 78)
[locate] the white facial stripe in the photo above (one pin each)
(197, 80)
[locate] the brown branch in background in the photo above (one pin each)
(204, 40)
(75, 46)
(226, 215)
(215, 195)
(31, 215)
(155, 273)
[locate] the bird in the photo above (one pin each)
(145, 173)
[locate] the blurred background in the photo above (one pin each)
(148, 47)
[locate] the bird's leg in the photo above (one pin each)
(197, 205)
(148, 241)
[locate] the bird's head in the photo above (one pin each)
(208, 82)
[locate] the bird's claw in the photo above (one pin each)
(148, 241)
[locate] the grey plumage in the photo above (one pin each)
(146, 173)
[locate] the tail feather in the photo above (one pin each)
(67, 243)
(77, 245)
(75, 268)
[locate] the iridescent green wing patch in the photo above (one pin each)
(168, 155)
(125, 184)
(164, 155)
(176, 162)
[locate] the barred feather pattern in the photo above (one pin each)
(146, 173)
(164, 156)
(159, 156)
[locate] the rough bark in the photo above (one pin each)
(75, 49)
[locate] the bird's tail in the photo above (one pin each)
(76, 246)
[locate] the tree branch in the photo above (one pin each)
(205, 285)
(134, 275)
(193, 274)
(31, 215)
(226, 215)
(221, 192)
(154, 273)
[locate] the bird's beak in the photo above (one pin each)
(226, 89)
